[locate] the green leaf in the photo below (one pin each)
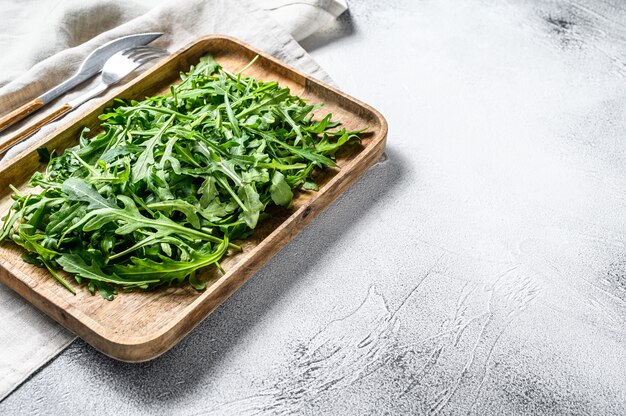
(63, 218)
(310, 186)
(26, 238)
(167, 270)
(106, 291)
(280, 191)
(231, 116)
(302, 152)
(190, 211)
(208, 190)
(78, 190)
(73, 263)
(255, 176)
(252, 202)
(144, 162)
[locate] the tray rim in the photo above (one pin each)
(107, 340)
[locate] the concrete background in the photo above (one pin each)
(481, 269)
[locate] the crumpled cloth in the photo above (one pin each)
(44, 41)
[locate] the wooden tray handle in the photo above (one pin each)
(19, 113)
(32, 129)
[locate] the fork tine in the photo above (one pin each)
(147, 57)
(143, 47)
(133, 52)
(148, 53)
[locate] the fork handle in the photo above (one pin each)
(20, 112)
(32, 129)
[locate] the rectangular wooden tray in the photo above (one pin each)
(140, 326)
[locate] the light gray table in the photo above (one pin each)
(480, 269)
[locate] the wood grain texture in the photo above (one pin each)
(28, 131)
(140, 326)
(19, 113)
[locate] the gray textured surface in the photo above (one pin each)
(481, 269)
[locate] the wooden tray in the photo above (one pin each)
(140, 326)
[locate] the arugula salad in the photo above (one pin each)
(171, 182)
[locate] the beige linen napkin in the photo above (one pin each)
(44, 41)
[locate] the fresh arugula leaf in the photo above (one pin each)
(77, 189)
(167, 269)
(280, 190)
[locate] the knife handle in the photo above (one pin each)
(32, 129)
(19, 113)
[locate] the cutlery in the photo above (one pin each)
(92, 64)
(116, 67)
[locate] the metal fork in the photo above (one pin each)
(115, 68)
